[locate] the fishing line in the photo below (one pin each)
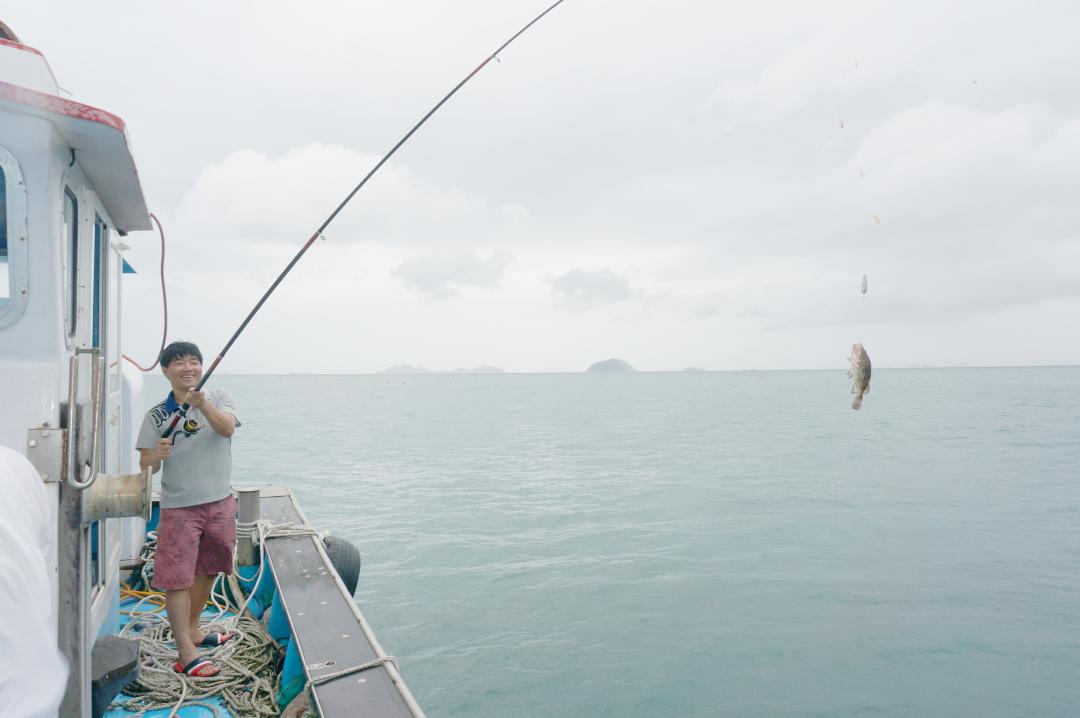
(182, 412)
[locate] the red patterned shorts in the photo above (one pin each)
(194, 541)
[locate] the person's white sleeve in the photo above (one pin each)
(33, 672)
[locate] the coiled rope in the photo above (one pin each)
(247, 683)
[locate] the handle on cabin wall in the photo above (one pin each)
(97, 378)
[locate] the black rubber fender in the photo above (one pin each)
(346, 560)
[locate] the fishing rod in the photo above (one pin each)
(182, 412)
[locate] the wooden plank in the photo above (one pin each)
(328, 634)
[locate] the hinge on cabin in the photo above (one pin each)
(47, 451)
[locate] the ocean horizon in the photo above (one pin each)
(697, 543)
(226, 372)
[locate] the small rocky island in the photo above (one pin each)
(610, 366)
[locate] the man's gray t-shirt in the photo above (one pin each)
(199, 469)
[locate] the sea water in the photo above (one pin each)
(700, 543)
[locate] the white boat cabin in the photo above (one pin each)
(69, 193)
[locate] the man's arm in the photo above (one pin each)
(153, 457)
(220, 421)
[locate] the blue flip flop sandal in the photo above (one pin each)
(198, 668)
(217, 639)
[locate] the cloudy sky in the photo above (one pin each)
(673, 182)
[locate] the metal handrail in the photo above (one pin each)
(89, 470)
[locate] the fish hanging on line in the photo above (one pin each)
(865, 286)
(859, 371)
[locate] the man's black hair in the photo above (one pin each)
(176, 350)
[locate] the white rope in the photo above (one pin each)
(251, 652)
(265, 530)
(245, 681)
(349, 671)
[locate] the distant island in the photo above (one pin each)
(407, 369)
(480, 370)
(610, 366)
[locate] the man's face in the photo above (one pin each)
(183, 372)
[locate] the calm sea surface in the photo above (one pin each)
(698, 544)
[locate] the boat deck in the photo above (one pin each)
(329, 631)
(187, 710)
(309, 611)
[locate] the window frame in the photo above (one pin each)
(70, 243)
(13, 306)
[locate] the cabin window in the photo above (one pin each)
(112, 328)
(71, 239)
(13, 269)
(101, 238)
(95, 554)
(5, 280)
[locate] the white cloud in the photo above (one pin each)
(584, 289)
(250, 195)
(696, 151)
(441, 275)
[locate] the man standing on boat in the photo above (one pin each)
(197, 529)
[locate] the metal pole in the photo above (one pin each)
(247, 553)
(73, 561)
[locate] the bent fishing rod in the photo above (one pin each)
(182, 411)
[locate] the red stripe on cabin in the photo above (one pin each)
(59, 105)
(20, 46)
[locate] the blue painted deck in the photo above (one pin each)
(314, 619)
(186, 711)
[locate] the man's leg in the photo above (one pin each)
(178, 608)
(200, 593)
(215, 554)
(174, 565)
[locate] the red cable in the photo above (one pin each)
(164, 303)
